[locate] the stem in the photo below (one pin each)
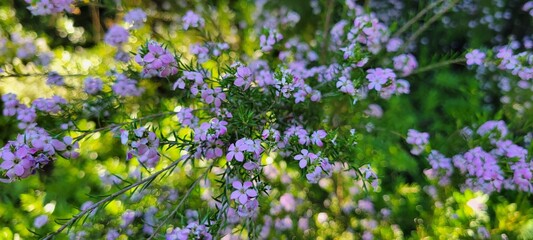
(110, 197)
(193, 185)
(41, 75)
(416, 18)
(113, 125)
(437, 65)
(427, 24)
(325, 44)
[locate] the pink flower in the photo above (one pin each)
(243, 192)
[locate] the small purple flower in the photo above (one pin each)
(93, 85)
(55, 79)
(267, 42)
(317, 136)
(40, 221)
(405, 63)
(116, 36)
(157, 61)
(379, 77)
(475, 57)
(243, 77)
(314, 177)
(243, 192)
(136, 17)
(18, 163)
(191, 19)
(127, 218)
(215, 96)
(235, 151)
(346, 86)
(67, 147)
(305, 157)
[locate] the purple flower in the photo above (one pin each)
(215, 96)
(494, 129)
(55, 79)
(18, 163)
(243, 77)
(186, 117)
(47, 7)
(243, 192)
(346, 86)
(93, 85)
(405, 63)
(317, 136)
(126, 87)
(136, 17)
(127, 218)
(305, 157)
(116, 36)
(67, 147)
(157, 61)
(475, 57)
(191, 19)
(379, 77)
(314, 177)
(235, 151)
(11, 104)
(40, 221)
(267, 42)
(418, 139)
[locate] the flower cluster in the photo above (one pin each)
(156, 61)
(143, 144)
(485, 166)
(124, 86)
(136, 18)
(419, 140)
(47, 7)
(32, 151)
(268, 40)
(191, 19)
(193, 230)
(116, 36)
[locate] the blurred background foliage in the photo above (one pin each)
(442, 102)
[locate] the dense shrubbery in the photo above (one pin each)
(326, 119)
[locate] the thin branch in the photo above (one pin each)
(193, 185)
(427, 24)
(109, 198)
(41, 75)
(114, 125)
(416, 18)
(437, 65)
(329, 9)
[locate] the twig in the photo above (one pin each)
(110, 197)
(329, 9)
(193, 185)
(113, 125)
(41, 75)
(437, 65)
(427, 24)
(416, 18)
